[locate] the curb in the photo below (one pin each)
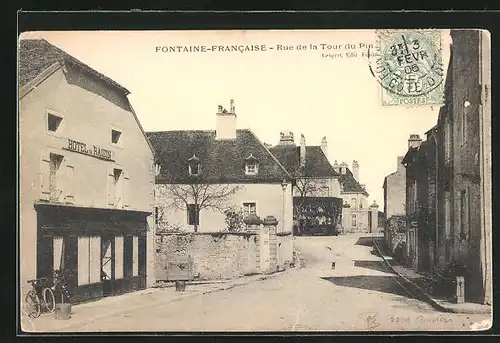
(424, 295)
(223, 286)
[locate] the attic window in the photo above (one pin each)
(115, 136)
(343, 170)
(251, 165)
(53, 122)
(194, 166)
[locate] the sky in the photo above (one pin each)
(306, 91)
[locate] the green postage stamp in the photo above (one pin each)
(408, 64)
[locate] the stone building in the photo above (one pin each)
(316, 188)
(449, 177)
(86, 178)
(203, 173)
(394, 205)
(420, 164)
(464, 157)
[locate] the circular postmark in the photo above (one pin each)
(407, 64)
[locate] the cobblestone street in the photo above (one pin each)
(359, 294)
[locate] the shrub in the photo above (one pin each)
(234, 220)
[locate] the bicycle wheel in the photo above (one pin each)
(32, 304)
(49, 300)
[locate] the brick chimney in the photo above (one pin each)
(302, 150)
(355, 170)
(414, 141)
(226, 122)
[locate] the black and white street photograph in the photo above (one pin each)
(255, 181)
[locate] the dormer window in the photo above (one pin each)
(194, 166)
(251, 165)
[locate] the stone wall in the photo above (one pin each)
(214, 255)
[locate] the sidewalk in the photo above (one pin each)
(84, 314)
(419, 284)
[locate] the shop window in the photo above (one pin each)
(107, 258)
(53, 122)
(128, 256)
(249, 208)
(54, 184)
(115, 136)
(193, 213)
(65, 256)
(141, 246)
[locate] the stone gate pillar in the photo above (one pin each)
(346, 217)
(269, 253)
(253, 223)
(374, 214)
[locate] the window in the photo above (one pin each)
(53, 122)
(194, 166)
(447, 140)
(353, 203)
(353, 219)
(55, 164)
(115, 136)
(249, 208)
(193, 214)
(447, 213)
(156, 215)
(251, 165)
(128, 256)
(251, 169)
(107, 257)
(464, 215)
(118, 183)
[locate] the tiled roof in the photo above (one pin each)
(350, 184)
(36, 55)
(317, 164)
(221, 160)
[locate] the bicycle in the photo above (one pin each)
(40, 290)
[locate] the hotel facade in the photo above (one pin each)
(86, 178)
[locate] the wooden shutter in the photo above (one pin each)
(45, 177)
(110, 187)
(126, 190)
(69, 171)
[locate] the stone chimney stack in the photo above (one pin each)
(400, 165)
(302, 150)
(355, 170)
(225, 123)
(286, 138)
(343, 168)
(324, 146)
(336, 166)
(414, 141)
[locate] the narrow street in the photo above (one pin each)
(359, 294)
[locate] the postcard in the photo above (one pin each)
(255, 180)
